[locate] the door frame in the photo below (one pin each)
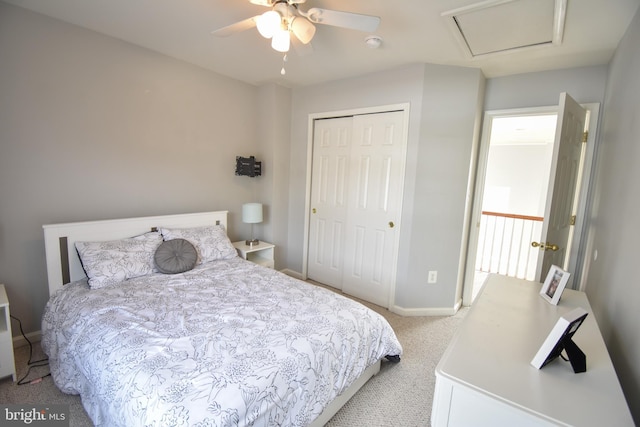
(404, 107)
(577, 253)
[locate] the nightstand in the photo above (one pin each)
(261, 254)
(7, 362)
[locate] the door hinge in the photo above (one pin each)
(585, 136)
(572, 221)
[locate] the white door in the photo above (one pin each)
(356, 202)
(559, 208)
(330, 170)
(377, 164)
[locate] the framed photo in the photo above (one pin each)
(554, 284)
(560, 338)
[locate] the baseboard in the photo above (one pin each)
(20, 341)
(429, 311)
(292, 273)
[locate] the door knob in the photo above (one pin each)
(391, 224)
(313, 210)
(545, 246)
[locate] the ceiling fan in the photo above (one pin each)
(285, 18)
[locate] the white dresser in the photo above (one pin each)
(485, 377)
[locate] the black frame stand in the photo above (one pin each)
(576, 357)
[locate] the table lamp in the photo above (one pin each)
(252, 214)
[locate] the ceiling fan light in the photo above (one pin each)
(281, 41)
(268, 23)
(303, 29)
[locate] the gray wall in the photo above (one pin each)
(95, 128)
(585, 85)
(612, 279)
(273, 147)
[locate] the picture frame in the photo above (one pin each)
(554, 284)
(559, 339)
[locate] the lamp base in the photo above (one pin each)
(253, 242)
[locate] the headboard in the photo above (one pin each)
(63, 264)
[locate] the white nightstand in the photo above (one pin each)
(7, 362)
(261, 254)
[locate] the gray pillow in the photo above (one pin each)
(175, 256)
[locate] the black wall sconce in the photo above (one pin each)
(247, 166)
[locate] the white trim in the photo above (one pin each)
(580, 250)
(559, 18)
(434, 311)
(407, 312)
(404, 107)
(292, 273)
(307, 197)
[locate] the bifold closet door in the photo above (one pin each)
(375, 186)
(357, 179)
(329, 187)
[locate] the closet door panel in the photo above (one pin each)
(329, 199)
(377, 158)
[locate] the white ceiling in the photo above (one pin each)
(413, 31)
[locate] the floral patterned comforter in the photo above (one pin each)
(227, 343)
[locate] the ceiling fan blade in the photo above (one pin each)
(354, 21)
(267, 3)
(270, 3)
(236, 28)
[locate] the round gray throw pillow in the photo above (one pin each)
(175, 256)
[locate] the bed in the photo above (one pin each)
(221, 341)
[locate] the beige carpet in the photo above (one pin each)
(400, 395)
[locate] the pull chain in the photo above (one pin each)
(284, 59)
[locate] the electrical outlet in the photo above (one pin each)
(432, 277)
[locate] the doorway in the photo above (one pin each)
(514, 194)
(515, 161)
(355, 201)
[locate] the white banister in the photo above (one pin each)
(505, 244)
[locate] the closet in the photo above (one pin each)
(357, 179)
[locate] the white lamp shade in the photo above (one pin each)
(281, 40)
(303, 29)
(252, 213)
(268, 23)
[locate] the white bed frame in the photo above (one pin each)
(63, 264)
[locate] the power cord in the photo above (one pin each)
(31, 364)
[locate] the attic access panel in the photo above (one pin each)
(496, 26)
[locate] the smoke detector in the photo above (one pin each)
(373, 42)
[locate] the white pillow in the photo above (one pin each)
(114, 261)
(211, 242)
